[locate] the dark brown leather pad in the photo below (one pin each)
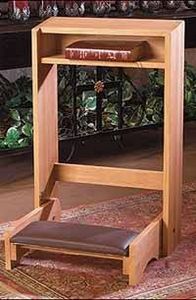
(80, 237)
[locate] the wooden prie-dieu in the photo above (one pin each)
(41, 229)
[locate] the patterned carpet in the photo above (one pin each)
(50, 276)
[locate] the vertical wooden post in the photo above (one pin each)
(45, 113)
(173, 138)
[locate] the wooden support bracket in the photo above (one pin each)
(49, 211)
(145, 247)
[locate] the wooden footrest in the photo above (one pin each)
(76, 237)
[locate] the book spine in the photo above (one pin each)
(94, 54)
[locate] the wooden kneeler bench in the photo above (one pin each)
(40, 230)
(49, 40)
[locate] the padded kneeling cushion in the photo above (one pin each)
(79, 237)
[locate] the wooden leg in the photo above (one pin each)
(142, 250)
(13, 254)
(8, 259)
(138, 264)
(126, 265)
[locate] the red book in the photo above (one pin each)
(121, 51)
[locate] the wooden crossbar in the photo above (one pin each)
(70, 252)
(110, 176)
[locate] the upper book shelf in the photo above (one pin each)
(56, 33)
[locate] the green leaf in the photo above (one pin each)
(27, 129)
(28, 115)
(110, 108)
(127, 91)
(15, 114)
(90, 103)
(189, 96)
(114, 119)
(12, 136)
(2, 144)
(14, 102)
(149, 111)
(92, 126)
(62, 84)
(160, 79)
(28, 98)
(156, 118)
(24, 142)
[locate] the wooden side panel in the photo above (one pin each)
(142, 250)
(11, 251)
(44, 111)
(45, 212)
(109, 176)
(49, 211)
(173, 138)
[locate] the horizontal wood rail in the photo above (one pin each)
(71, 252)
(110, 176)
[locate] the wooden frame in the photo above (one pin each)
(166, 39)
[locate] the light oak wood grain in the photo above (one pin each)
(49, 211)
(109, 26)
(144, 248)
(60, 60)
(71, 252)
(166, 39)
(173, 138)
(44, 112)
(108, 176)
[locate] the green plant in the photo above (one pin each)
(153, 93)
(141, 105)
(15, 113)
(190, 92)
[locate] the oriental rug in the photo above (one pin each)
(52, 276)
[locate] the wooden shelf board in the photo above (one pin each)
(109, 26)
(60, 60)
